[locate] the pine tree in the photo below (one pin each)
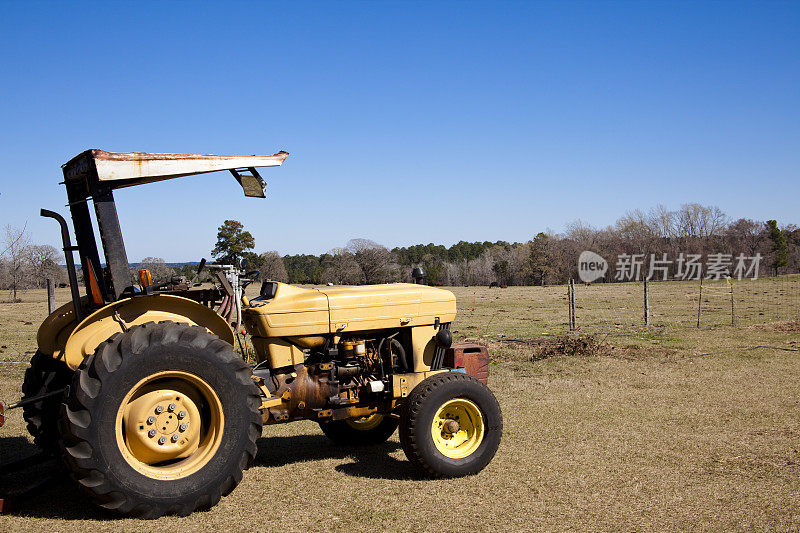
(779, 245)
(233, 243)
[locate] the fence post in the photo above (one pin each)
(51, 297)
(646, 305)
(699, 301)
(733, 311)
(572, 283)
(571, 304)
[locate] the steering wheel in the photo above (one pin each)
(249, 277)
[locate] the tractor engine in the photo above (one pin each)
(355, 372)
(333, 352)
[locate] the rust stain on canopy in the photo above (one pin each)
(126, 169)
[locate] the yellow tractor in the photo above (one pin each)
(139, 389)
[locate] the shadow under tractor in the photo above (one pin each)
(139, 390)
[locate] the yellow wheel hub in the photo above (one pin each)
(457, 428)
(169, 425)
(365, 423)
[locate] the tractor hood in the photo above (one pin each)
(297, 311)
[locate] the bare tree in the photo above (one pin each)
(542, 255)
(662, 222)
(695, 220)
(746, 236)
(453, 274)
(520, 265)
(272, 267)
(481, 270)
(17, 254)
(159, 270)
(634, 226)
(585, 235)
(341, 268)
(43, 258)
(376, 261)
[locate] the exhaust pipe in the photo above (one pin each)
(68, 249)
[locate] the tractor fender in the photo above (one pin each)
(56, 329)
(122, 314)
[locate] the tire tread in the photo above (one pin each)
(411, 411)
(76, 411)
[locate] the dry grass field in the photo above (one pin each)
(658, 428)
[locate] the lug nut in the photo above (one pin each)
(183, 427)
(175, 437)
(162, 440)
(172, 407)
(182, 415)
(159, 409)
(151, 433)
(151, 420)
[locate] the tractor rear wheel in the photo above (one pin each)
(162, 420)
(365, 431)
(44, 375)
(450, 425)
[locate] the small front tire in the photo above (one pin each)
(450, 425)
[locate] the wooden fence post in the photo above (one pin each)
(574, 315)
(571, 293)
(51, 297)
(699, 301)
(733, 311)
(646, 305)
(569, 304)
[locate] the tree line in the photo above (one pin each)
(547, 258)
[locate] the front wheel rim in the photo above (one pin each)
(169, 425)
(365, 423)
(458, 428)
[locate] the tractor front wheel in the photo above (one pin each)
(450, 425)
(162, 420)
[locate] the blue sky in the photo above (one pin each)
(406, 122)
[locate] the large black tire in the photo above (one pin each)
(348, 433)
(91, 436)
(419, 414)
(44, 375)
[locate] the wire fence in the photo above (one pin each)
(626, 307)
(524, 311)
(701, 304)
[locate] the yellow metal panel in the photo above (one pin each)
(279, 352)
(373, 306)
(388, 306)
(296, 311)
(436, 303)
(293, 311)
(103, 323)
(308, 341)
(56, 328)
(423, 343)
(403, 384)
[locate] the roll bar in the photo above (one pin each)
(96, 174)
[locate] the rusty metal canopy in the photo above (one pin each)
(126, 169)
